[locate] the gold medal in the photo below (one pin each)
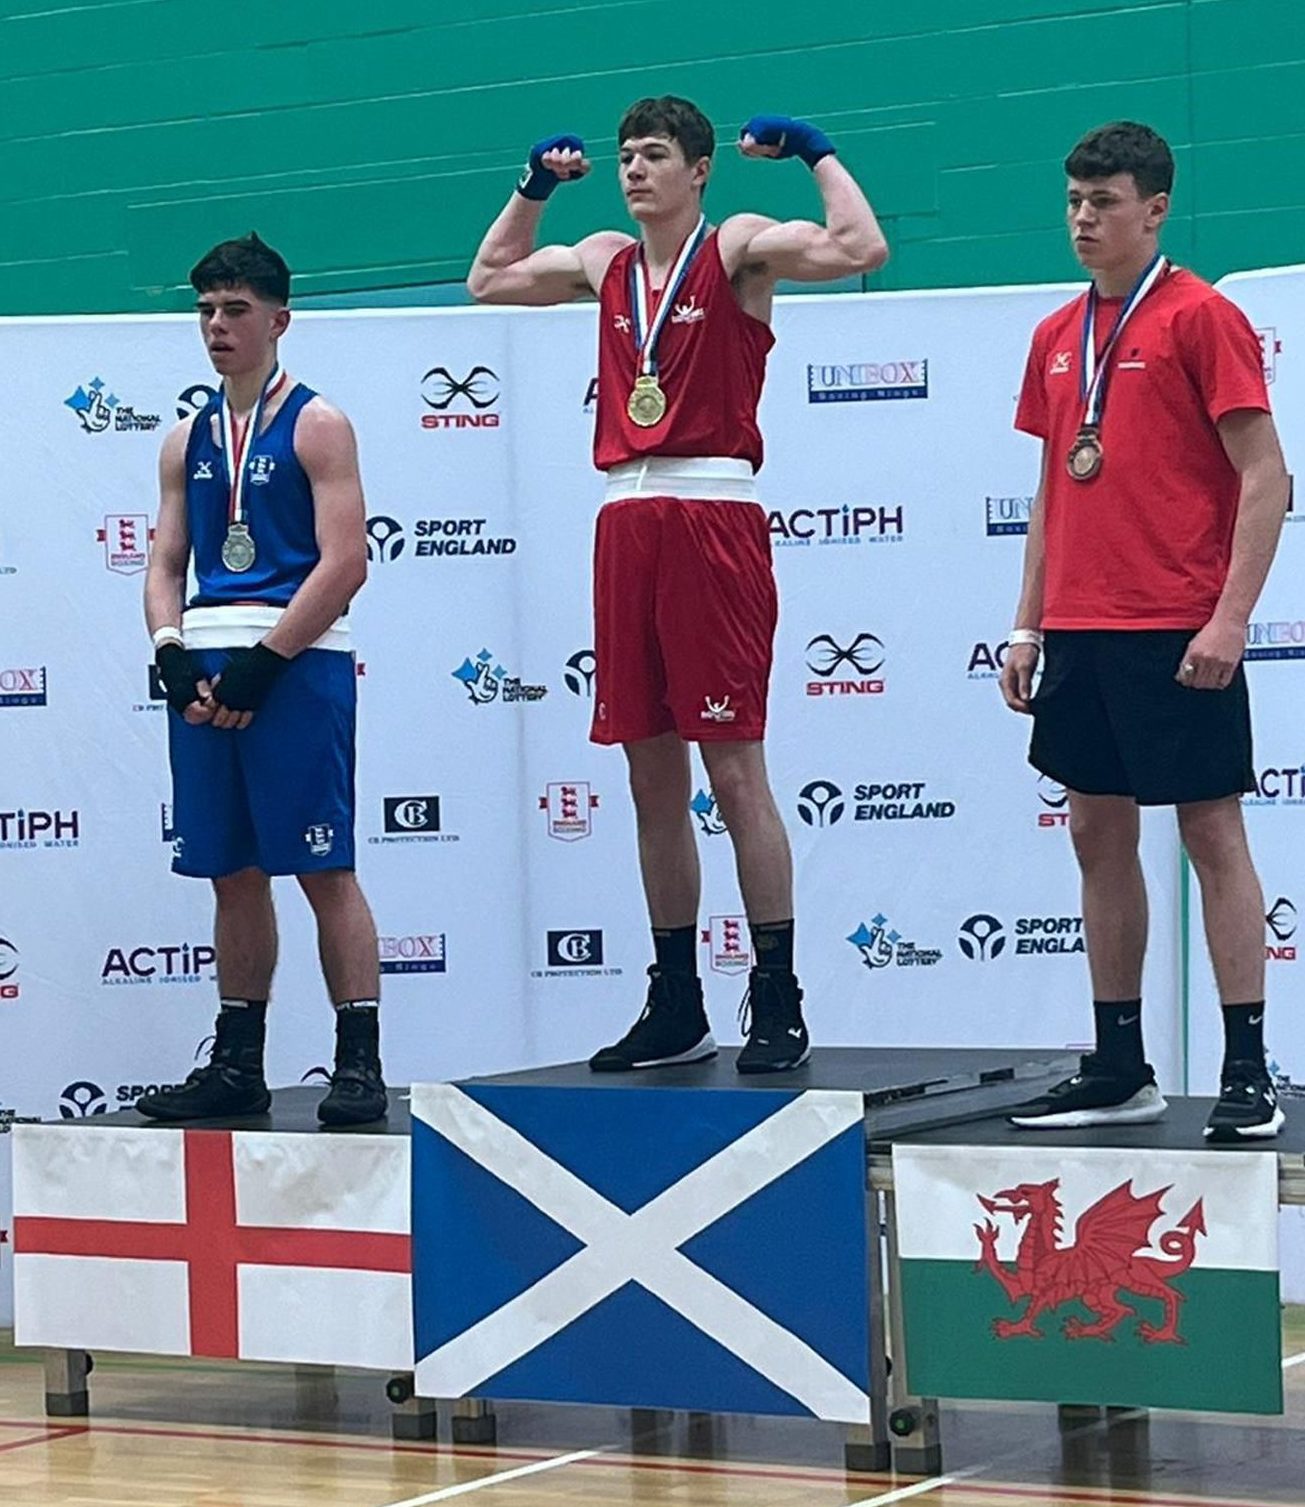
(238, 552)
(1085, 455)
(647, 404)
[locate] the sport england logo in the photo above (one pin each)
(578, 674)
(1281, 923)
(82, 1100)
(385, 540)
(729, 944)
(23, 687)
(867, 381)
(420, 952)
(486, 681)
(126, 538)
(861, 660)
(846, 525)
(982, 937)
(881, 946)
(97, 410)
(704, 807)
(470, 398)
(1007, 516)
(194, 399)
(569, 804)
(820, 803)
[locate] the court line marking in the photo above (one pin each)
(50, 1436)
(1294, 1360)
(445, 1493)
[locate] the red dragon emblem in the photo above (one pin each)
(1097, 1269)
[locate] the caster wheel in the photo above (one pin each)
(399, 1389)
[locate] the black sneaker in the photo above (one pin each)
(1100, 1093)
(231, 1083)
(1248, 1108)
(771, 1017)
(357, 1093)
(673, 1028)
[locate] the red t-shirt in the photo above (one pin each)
(1147, 541)
(711, 359)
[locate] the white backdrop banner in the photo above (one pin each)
(937, 894)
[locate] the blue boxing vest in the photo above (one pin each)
(278, 506)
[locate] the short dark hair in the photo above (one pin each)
(1124, 146)
(669, 115)
(248, 262)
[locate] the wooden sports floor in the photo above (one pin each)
(186, 1434)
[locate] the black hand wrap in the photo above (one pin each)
(249, 676)
(180, 673)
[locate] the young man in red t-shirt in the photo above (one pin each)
(684, 595)
(1157, 515)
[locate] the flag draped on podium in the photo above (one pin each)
(1088, 1274)
(687, 1248)
(261, 1246)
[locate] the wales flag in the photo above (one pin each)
(1091, 1275)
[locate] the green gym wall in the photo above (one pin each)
(373, 140)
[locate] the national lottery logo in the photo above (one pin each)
(881, 946)
(578, 673)
(97, 409)
(708, 813)
(486, 681)
(867, 381)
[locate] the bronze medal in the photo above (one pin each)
(647, 403)
(1085, 455)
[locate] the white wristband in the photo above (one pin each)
(1029, 636)
(168, 635)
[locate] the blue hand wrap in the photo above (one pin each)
(537, 181)
(794, 138)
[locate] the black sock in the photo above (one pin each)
(676, 948)
(242, 1023)
(1243, 1033)
(772, 946)
(1119, 1031)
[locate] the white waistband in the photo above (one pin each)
(712, 478)
(242, 624)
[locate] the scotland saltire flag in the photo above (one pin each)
(694, 1249)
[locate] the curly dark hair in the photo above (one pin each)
(1124, 146)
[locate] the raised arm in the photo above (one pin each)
(509, 269)
(849, 241)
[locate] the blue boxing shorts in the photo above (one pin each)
(277, 795)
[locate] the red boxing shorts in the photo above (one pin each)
(685, 604)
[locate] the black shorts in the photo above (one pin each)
(1110, 719)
